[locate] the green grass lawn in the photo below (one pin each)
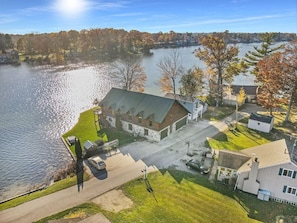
(241, 138)
(179, 198)
(185, 197)
(85, 129)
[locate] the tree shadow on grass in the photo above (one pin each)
(264, 211)
(80, 174)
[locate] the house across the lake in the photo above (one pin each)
(9, 56)
(250, 91)
(265, 170)
(146, 115)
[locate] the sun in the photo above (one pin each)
(71, 8)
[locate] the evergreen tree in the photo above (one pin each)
(253, 57)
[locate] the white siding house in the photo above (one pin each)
(265, 170)
(262, 123)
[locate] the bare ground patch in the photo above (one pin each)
(114, 200)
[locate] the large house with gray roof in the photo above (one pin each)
(143, 114)
(265, 170)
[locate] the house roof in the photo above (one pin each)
(270, 154)
(261, 118)
(248, 89)
(138, 103)
(180, 97)
(232, 160)
(186, 101)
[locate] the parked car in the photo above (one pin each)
(196, 165)
(97, 162)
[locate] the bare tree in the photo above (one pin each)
(171, 67)
(129, 73)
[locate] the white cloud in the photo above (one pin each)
(225, 21)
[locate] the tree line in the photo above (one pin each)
(107, 44)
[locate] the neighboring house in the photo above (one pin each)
(268, 172)
(9, 56)
(194, 105)
(262, 123)
(251, 92)
(228, 164)
(142, 114)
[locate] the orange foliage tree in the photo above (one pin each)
(270, 77)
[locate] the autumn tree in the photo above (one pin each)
(252, 57)
(270, 78)
(171, 67)
(290, 84)
(221, 60)
(5, 41)
(192, 82)
(129, 73)
(241, 96)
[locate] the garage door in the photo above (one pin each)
(181, 123)
(164, 133)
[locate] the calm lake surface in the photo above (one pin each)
(38, 105)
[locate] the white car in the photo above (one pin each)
(97, 162)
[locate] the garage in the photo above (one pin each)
(181, 123)
(164, 133)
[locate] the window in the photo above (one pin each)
(146, 132)
(139, 119)
(130, 117)
(130, 127)
(287, 173)
(150, 122)
(290, 190)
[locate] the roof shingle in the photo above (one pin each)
(138, 103)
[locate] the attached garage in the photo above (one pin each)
(164, 133)
(181, 123)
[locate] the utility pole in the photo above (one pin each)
(236, 112)
(144, 173)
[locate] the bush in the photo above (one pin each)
(70, 170)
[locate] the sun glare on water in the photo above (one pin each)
(71, 8)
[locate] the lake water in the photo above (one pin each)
(38, 105)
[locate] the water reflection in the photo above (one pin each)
(37, 107)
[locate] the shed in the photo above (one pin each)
(90, 149)
(262, 123)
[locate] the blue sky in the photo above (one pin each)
(45, 16)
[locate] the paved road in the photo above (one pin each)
(121, 168)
